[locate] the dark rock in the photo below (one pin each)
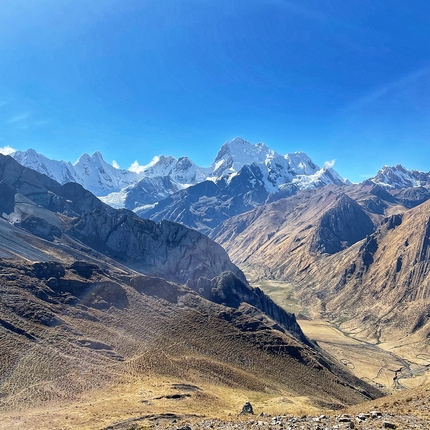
(7, 200)
(388, 425)
(48, 269)
(157, 287)
(341, 226)
(84, 269)
(39, 227)
(247, 409)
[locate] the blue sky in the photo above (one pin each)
(345, 80)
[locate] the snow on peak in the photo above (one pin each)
(400, 177)
(92, 172)
(237, 153)
(182, 170)
(60, 171)
(277, 170)
(164, 175)
(301, 164)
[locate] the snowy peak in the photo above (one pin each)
(237, 153)
(60, 171)
(95, 159)
(92, 172)
(277, 170)
(100, 177)
(182, 170)
(301, 164)
(400, 177)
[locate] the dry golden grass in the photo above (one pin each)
(140, 401)
(92, 368)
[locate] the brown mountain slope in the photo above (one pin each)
(281, 239)
(69, 331)
(381, 285)
(376, 288)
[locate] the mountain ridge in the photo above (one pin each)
(165, 175)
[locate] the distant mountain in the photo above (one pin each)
(244, 176)
(401, 177)
(90, 171)
(165, 175)
(205, 205)
(277, 169)
(162, 177)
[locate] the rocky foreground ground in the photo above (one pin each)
(369, 421)
(377, 420)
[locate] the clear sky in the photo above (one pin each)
(345, 80)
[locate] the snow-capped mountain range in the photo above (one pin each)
(399, 177)
(242, 176)
(90, 171)
(166, 175)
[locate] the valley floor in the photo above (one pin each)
(388, 366)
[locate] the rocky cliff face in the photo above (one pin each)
(50, 211)
(229, 290)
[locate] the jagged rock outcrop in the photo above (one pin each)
(398, 177)
(229, 290)
(50, 210)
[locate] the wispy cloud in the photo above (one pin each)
(329, 164)
(41, 122)
(388, 88)
(115, 164)
(18, 118)
(7, 150)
